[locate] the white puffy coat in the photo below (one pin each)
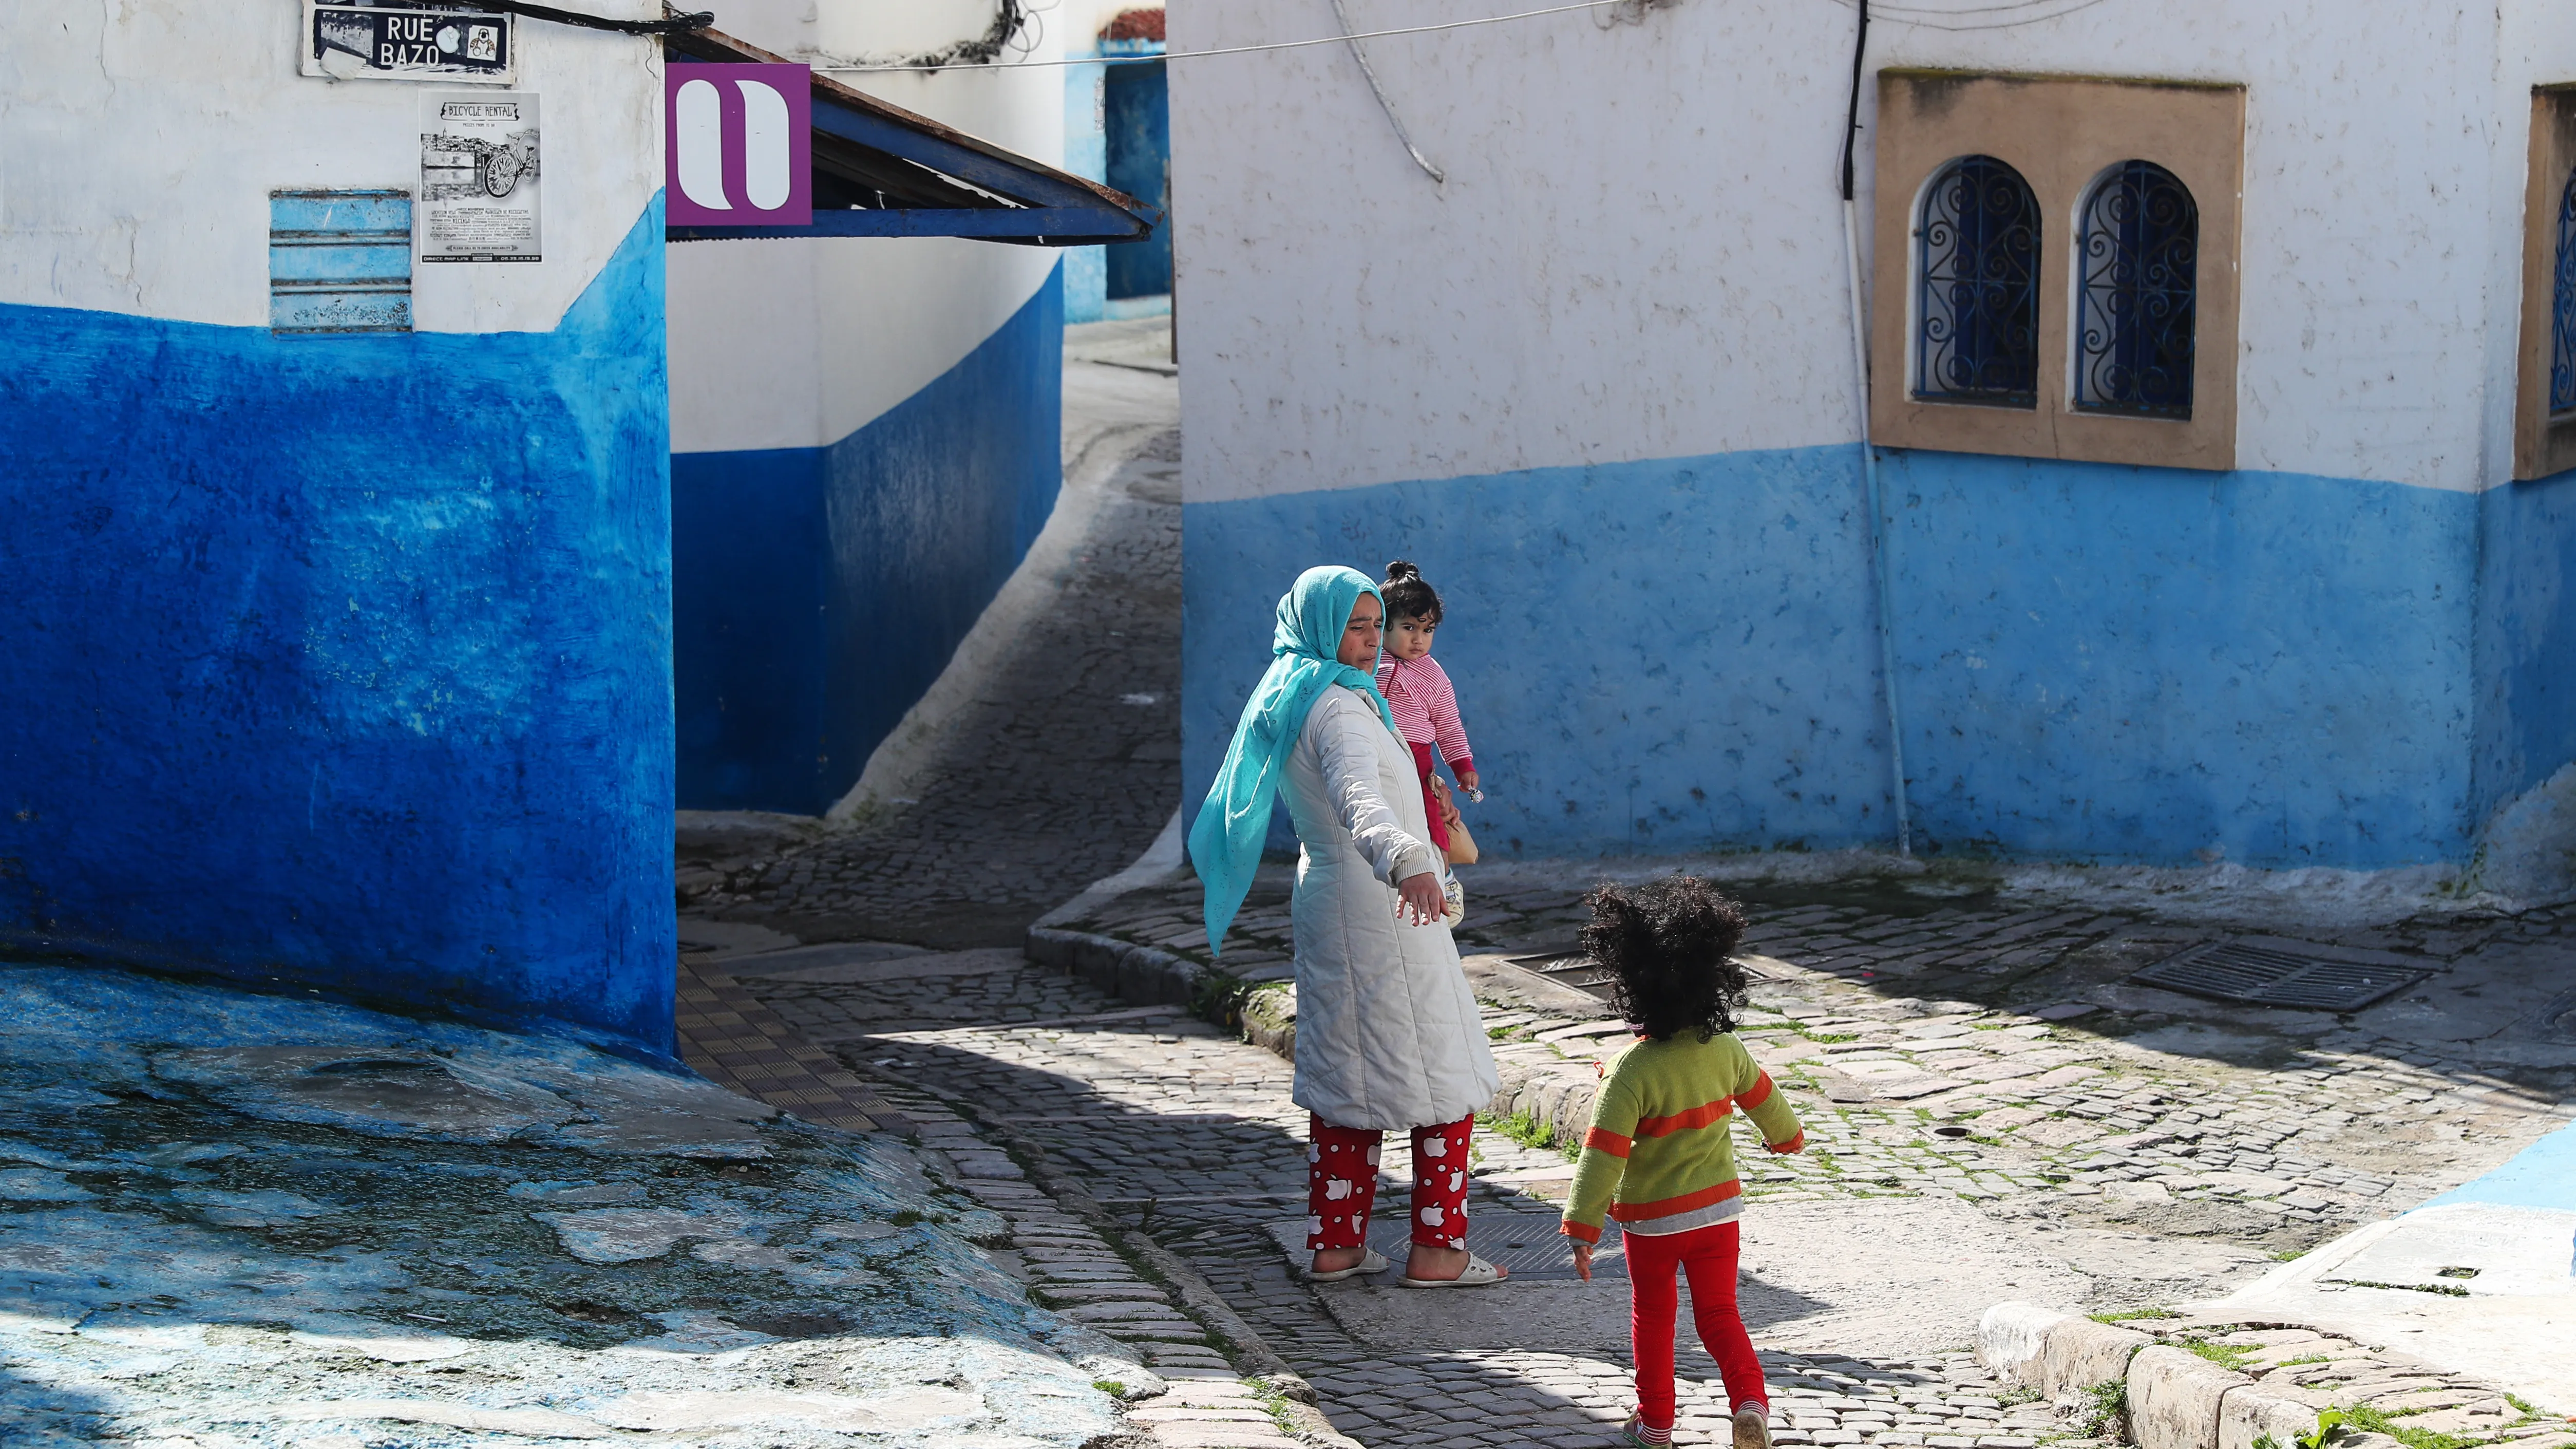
(1388, 1034)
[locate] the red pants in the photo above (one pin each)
(1422, 765)
(1341, 1183)
(1708, 1256)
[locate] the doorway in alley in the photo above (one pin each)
(1137, 116)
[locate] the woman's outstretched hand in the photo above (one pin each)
(1423, 902)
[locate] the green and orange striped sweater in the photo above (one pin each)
(1658, 1157)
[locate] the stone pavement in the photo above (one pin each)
(728, 1037)
(1048, 755)
(1187, 1136)
(1992, 1114)
(241, 1221)
(1968, 1048)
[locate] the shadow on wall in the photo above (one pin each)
(817, 592)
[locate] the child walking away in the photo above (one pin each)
(1417, 690)
(1658, 1156)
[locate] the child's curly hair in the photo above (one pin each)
(1669, 946)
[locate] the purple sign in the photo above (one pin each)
(738, 145)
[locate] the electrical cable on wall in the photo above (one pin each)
(1883, 576)
(1016, 28)
(1343, 16)
(1246, 49)
(1900, 14)
(674, 22)
(1895, 14)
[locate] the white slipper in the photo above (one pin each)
(1371, 1261)
(1478, 1274)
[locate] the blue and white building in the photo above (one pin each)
(1118, 130)
(2303, 601)
(337, 616)
(340, 619)
(866, 430)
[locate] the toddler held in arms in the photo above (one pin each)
(1658, 1156)
(1417, 690)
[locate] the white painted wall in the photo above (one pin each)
(1638, 252)
(798, 344)
(138, 145)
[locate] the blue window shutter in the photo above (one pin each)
(339, 262)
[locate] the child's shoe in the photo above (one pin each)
(1753, 1427)
(1636, 1432)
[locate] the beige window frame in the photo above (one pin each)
(2063, 134)
(2543, 445)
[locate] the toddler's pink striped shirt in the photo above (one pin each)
(1425, 707)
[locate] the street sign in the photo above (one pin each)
(369, 40)
(739, 145)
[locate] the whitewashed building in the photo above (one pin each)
(2222, 359)
(336, 624)
(338, 494)
(865, 430)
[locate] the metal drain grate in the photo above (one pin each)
(2267, 971)
(1585, 974)
(1578, 971)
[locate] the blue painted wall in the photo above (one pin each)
(345, 660)
(2138, 664)
(2526, 636)
(1139, 126)
(2097, 663)
(1650, 657)
(818, 591)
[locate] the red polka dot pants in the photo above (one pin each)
(1341, 1183)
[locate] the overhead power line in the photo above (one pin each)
(1242, 49)
(2002, 17)
(1922, 17)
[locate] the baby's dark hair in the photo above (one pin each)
(1407, 596)
(1669, 946)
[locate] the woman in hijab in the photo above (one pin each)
(1388, 1035)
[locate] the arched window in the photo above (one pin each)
(1977, 308)
(2562, 310)
(2139, 247)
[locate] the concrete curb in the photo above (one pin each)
(1270, 1020)
(2176, 1399)
(1145, 974)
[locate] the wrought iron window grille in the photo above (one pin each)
(2139, 248)
(1976, 335)
(2562, 310)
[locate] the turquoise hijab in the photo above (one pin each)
(1225, 841)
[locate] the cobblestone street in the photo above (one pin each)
(2099, 1162)
(1990, 1054)
(1189, 1136)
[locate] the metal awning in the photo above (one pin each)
(880, 170)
